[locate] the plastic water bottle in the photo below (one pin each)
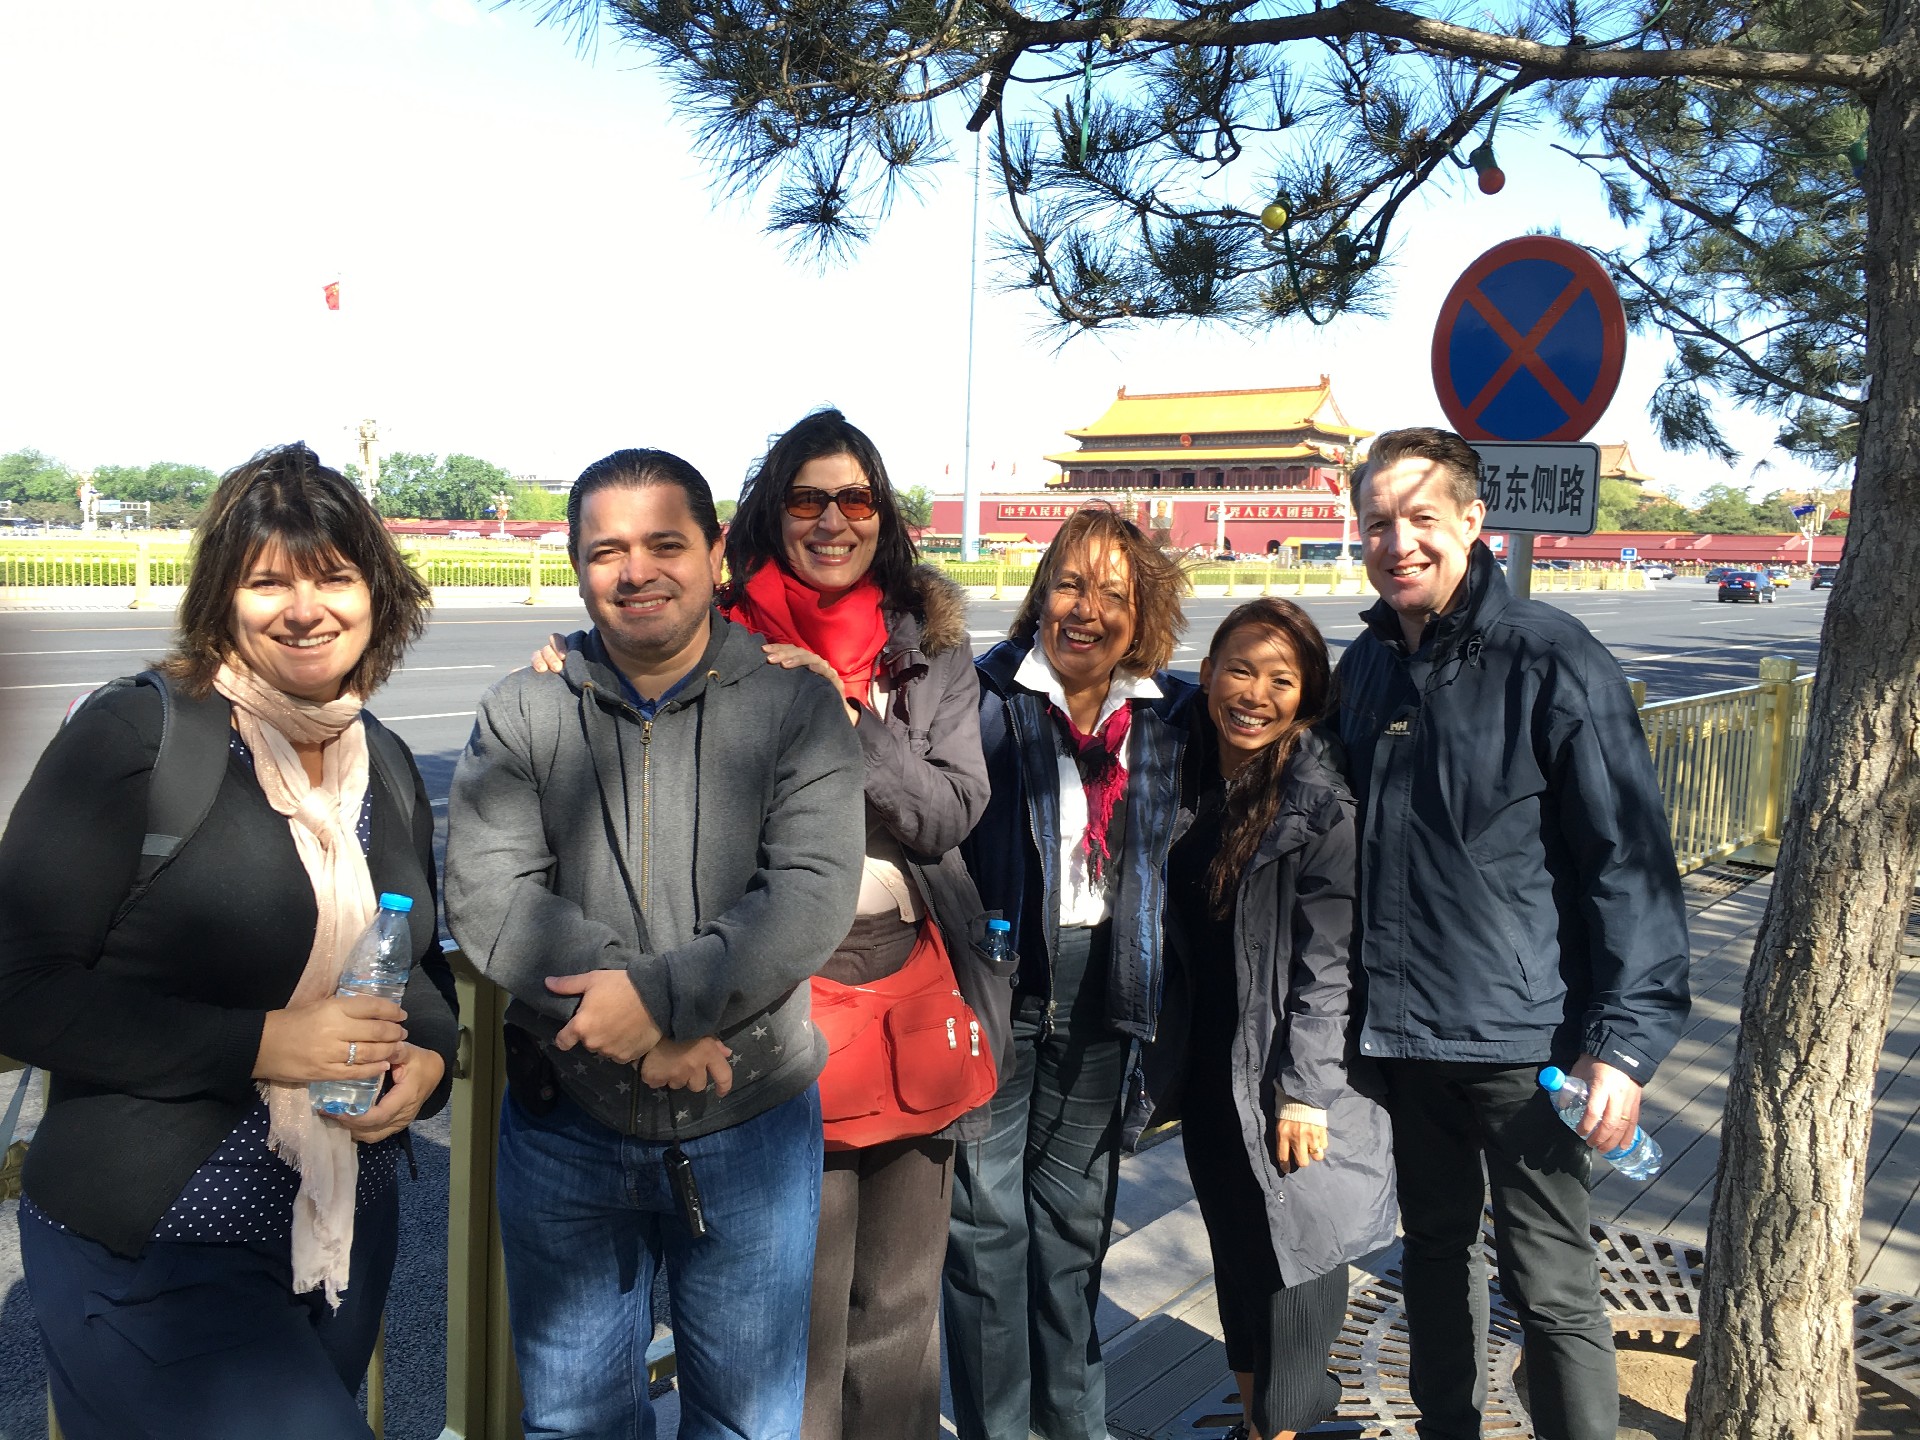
(377, 965)
(1638, 1159)
(999, 941)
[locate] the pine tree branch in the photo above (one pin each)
(1680, 320)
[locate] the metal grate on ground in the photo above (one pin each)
(1172, 1382)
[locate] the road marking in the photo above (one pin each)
(509, 620)
(62, 685)
(1730, 620)
(437, 804)
(436, 715)
(100, 629)
(94, 650)
(423, 669)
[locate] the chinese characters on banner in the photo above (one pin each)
(1540, 489)
(1289, 511)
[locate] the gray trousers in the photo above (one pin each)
(873, 1352)
(1446, 1116)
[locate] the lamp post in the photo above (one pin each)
(501, 502)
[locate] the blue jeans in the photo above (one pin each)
(1032, 1214)
(586, 1215)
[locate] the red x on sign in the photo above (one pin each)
(1530, 343)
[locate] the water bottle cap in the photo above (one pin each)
(1552, 1078)
(400, 903)
(999, 925)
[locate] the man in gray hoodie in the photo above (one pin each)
(652, 851)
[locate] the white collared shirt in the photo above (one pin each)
(1082, 903)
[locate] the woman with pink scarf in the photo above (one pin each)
(207, 1256)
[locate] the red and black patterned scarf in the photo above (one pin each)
(1102, 777)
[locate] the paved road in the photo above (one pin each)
(1676, 637)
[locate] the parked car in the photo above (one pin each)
(1823, 577)
(1746, 585)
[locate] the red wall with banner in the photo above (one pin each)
(1189, 519)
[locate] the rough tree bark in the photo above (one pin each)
(1776, 1359)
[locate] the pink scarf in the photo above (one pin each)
(323, 819)
(1102, 776)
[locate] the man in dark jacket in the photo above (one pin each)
(1520, 907)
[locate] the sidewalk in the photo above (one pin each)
(1167, 1376)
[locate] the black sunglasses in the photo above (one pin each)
(807, 502)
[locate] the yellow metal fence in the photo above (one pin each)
(1727, 763)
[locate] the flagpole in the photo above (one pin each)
(969, 492)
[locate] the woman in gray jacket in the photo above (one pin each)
(1286, 1141)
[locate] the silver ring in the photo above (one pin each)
(353, 1052)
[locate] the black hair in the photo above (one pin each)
(632, 470)
(757, 533)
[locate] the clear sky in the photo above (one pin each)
(536, 269)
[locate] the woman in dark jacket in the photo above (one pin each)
(1082, 731)
(207, 1256)
(821, 564)
(1285, 1137)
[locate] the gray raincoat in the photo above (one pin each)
(1298, 974)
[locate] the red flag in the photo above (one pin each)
(333, 295)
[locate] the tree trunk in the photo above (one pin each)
(1776, 1359)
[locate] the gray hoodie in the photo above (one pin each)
(713, 853)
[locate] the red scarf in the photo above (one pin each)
(847, 629)
(1102, 776)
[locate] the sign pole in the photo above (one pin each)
(1520, 565)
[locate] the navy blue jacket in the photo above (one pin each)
(1519, 898)
(1013, 854)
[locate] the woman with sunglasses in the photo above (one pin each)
(1083, 733)
(1257, 1050)
(822, 565)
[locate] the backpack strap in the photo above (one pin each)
(389, 759)
(195, 735)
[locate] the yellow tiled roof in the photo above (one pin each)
(1616, 463)
(1291, 407)
(1199, 457)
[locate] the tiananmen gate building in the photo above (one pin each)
(1275, 459)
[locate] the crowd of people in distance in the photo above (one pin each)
(843, 966)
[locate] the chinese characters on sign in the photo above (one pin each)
(1540, 489)
(1278, 512)
(1044, 511)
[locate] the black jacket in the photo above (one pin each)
(150, 1026)
(1519, 898)
(1300, 993)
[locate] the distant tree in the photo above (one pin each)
(468, 485)
(1726, 510)
(29, 476)
(725, 509)
(534, 502)
(916, 506)
(1619, 499)
(409, 486)
(1662, 512)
